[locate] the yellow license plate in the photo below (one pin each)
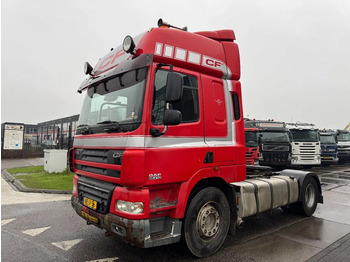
(90, 203)
(89, 217)
(327, 157)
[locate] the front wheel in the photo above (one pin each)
(207, 222)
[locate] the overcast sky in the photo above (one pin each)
(295, 54)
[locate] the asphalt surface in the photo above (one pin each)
(43, 227)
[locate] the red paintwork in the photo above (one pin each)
(181, 167)
(252, 153)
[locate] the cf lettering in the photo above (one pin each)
(105, 63)
(110, 59)
(118, 54)
(213, 63)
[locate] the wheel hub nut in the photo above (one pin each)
(208, 221)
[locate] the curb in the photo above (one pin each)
(337, 251)
(17, 184)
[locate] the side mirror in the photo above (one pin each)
(260, 139)
(172, 117)
(174, 87)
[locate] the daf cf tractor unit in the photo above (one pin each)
(251, 146)
(306, 146)
(343, 142)
(329, 148)
(159, 153)
(274, 143)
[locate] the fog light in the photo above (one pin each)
(129, 207)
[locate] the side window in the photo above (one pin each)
(236, 107)
(188, 105)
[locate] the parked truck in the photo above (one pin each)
(274, 142)
(159, 153)
(329, 148)
(343, 142)
(251, 146)
(306, 146)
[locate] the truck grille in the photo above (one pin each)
(307, 158)
(274, 148)
(276, 157)
(304, 149)
(91, 157)
(96, 190)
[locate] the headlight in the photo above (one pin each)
(129, 207)
(74, 189)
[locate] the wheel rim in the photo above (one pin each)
(310, 195)
(208, 221)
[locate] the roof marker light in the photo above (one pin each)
(129, 45)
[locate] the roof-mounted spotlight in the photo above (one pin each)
(129, 45)
(87, 69)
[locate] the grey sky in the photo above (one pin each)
(294, 54)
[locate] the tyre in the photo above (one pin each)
(206, 222)
(309, 198)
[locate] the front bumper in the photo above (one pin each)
(305, 160)
(327, 158)
(143, 233)
(344, 154)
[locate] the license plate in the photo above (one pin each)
(89, 217)
(327, 157)
(90, 203)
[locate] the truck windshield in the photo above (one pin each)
(304, 135)
(327, 139)
(116, 103)
(251, 139)
(274, 137)
(343, 137)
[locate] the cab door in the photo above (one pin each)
(181, 151)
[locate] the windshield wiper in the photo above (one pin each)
(117, 126)
(84, 129)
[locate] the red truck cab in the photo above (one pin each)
(251, 146)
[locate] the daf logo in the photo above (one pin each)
(117, 155)
(219, 102)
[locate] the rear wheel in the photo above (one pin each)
(207, 222)
(309, 198)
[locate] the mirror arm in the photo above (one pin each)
(156, 133)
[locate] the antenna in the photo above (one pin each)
(161, 23)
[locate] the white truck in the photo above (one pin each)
(306, 146)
